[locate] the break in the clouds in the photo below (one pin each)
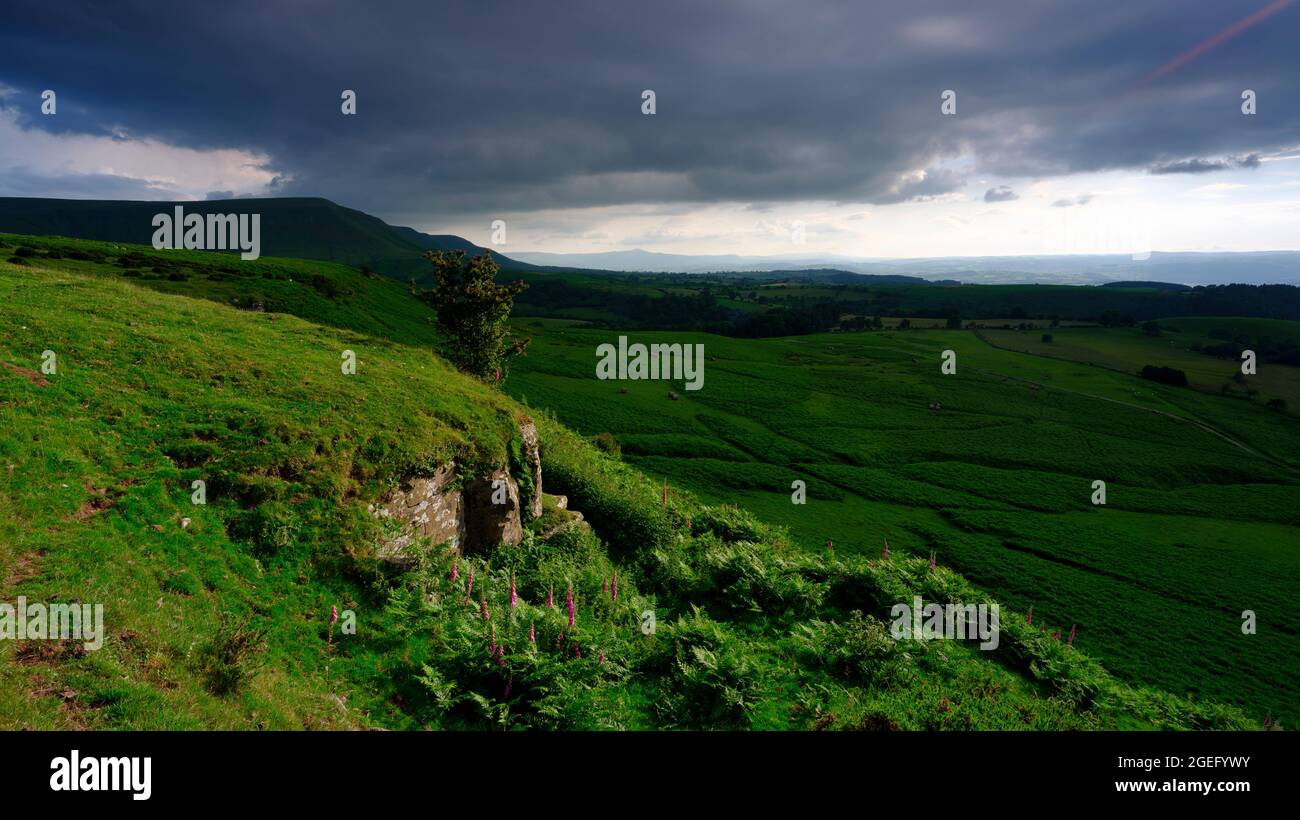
(533, 111)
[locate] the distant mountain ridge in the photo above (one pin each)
(316, 228)
(302, 228)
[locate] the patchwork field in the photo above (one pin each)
(1202, 512)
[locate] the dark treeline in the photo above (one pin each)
(755, 309)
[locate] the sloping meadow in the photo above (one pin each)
(667, 612)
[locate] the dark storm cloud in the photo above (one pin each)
(1197, 165)
(492, 107)
(1000, 194)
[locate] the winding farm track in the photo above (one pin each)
(1214, 431)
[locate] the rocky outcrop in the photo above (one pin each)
(492, 512)
(533, 457)
(427, 507)
(484, 514)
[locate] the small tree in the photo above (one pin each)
(472, 312)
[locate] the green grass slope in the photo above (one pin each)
(1201, 519)
(222, 621)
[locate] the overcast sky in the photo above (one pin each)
(780, 127)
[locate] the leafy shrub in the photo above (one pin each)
(271, 528)
(606, 443)
(326, 286)
(709, 680)
(861, 650)
(233, 654)
(1165, 375)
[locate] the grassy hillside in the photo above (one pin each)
(217, 614)
(1201, 518)
(304, 228)
(1127, 350)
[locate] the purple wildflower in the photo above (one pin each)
(514, 596)
(1071, 641)
(613, 588)
(455, 572)
(550, 597)
(885, 553)
(469, 586)
(532, 632)
(484, 609)
(569, 600)
(334, 614)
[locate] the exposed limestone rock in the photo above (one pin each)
(533, 455)
(485, 514)
(492, 512)
(428, 507)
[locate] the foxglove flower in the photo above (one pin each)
(469, 586)
(569, 600)
(532, 632)
(1029, 619)
(932, 565)
(514, 596)
(550, 597)
(486, 615)
(885, 553)
(455, 571)
(334, 614)
(613, 588)
(1071, 641)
